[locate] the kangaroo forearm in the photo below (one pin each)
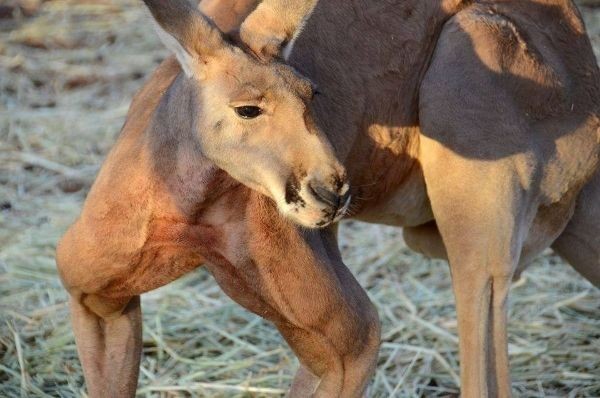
(273, 24)
(288, 14)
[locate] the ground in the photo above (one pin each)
(68, 70)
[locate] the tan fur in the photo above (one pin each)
(461, 120)
(273, 24)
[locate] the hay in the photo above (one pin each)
(67, 75)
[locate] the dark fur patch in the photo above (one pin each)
(337, 181)
(311, 126)
(292, 191)
(329, 215)
(218, 126)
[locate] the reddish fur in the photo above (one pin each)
(484, 179)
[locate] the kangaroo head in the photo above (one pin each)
(254, 119)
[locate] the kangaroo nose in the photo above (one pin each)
(333, 199)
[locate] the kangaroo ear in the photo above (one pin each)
(186, 32)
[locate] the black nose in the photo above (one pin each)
(333, 199)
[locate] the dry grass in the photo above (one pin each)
(66, 77)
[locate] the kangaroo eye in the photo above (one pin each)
(248, 111)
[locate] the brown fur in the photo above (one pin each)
(473, 124)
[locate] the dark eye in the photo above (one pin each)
(248, 111)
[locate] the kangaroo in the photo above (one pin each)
(218, 160)
(472, 124)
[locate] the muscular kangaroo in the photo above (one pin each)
(472, 124)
